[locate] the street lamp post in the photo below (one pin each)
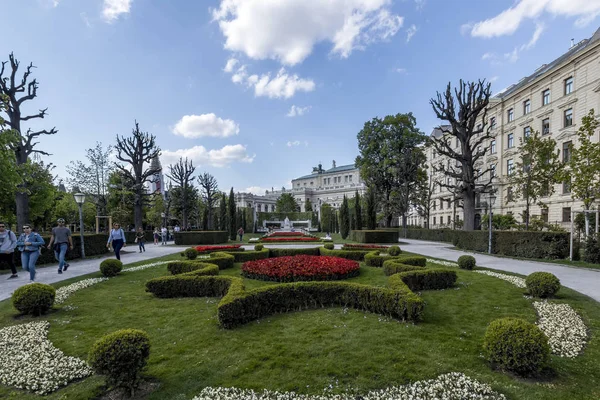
(80, 199)
(492, 199)
(163, 215)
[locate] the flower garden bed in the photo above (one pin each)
(286, 234)
(210, 249)
(292, 239)
(301, 268)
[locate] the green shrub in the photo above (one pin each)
(222, 259)
(394, 250)
(34, 299)
(375, 259)
(121, 356)
(391, 267)
(243, 256)
(329, 246)
(356, 255)
(592, 251)
(111, 267)
(428, 279)
(190, 254)
(419, 261)
(542, 284)
(466, 262)
(183, 267)
(200, 237)
(374, 236)
(516, 345)
(258, 247)
(190, 285)
(314, 251)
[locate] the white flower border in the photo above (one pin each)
(454, 385)
(28, 360)
(567, 334)
(441, 262)
(515, 280)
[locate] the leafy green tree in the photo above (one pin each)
(390, 159)
(308, 207)
(223, 212)
(9, 177)
(536, 173)
(287, 203)
(371, 209)
(181, 173)
(326, 218)
(181, 203)
(357, 212)
(344, 218)
(500, 222)
(465, 112)
(232, 218)
(120, 197)
(157, 207)
(583, 168)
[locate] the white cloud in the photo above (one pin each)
(509, 20)
(294, 143)
(231, 63)
(539, 29)
(256, 190)
(410, 32)
(512, 57)
(287, 31)
(420, 4)
(112, 9)
(297, 111)
(401, 70)
(85, 19)
(205, 125)
(494, 79)
(216, 157)
(282, 85)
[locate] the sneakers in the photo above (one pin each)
(65, 266)
(13, 276)
(60, 271)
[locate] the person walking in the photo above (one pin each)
(140, 238)
(8, 242)
(163, 234)
(30, 244)
(117, 238)
(240, 232)
(61, 241)
(156, 234)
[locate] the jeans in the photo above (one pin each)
(28, 260)
(9, 259)
(117, 244)
(141, 245)
(60, 256)
(241, 238)
(164, 238)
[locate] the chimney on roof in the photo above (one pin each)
(572, 43)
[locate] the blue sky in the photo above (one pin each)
(258, 92)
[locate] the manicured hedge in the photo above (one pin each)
(201, 237)
(356, 255)
(391, 267)
(407, 259)
(374, 236)
(374, 259)
(314, 251)
(551, 245)
(199, 268)
(430, 279)
(243, 256)
(188, 285)
(130, 236)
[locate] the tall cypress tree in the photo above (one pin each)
(357, 212)
(232, 219)
(344, 218)
(223, 212)
(371, 209)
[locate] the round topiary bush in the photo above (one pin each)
(329, 246)
(542, 284)
(516, 345)
(111, 267)
(394, 251)
(258, 247)
(190, 254)
(34, 299)
(466, 262)
(121, 356)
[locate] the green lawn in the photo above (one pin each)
(310, 350)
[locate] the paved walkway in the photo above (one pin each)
(49, 274)
(586, 281)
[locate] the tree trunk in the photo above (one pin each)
(138, 212)
(22, 201)
(469, 211)
(404, 218)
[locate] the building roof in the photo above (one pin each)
(573, 51)
(341, 168)
(437, 132)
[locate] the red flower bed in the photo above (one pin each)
(363, 247)
(210, 249)
(286, 234)
(290, 239)
(300, 268)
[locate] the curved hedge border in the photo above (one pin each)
(251, 255)
(312, 251)
(356, 255)
(391, 267)
(182, 267)
(222, 259)
(373, 259)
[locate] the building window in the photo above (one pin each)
(544, 215)
(493, 147)
(546, 126)
(433, 220)
(509, 196)
(526, 107)
(441, 204)
(448, 220)
(511, 141)
(567, 151)
(526, 132)
(456, 141)
(509, 167)
(566, 214)
(568, 85)
(511, 115)
(346, 178)
(546, 97)
(350, 178)
(493, 122)
(568, 117)
(259, 207)
(312, 183)
(434, 206)
(493, 171)
(567, 187)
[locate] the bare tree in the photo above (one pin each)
(136, 151)
(209, 189)
(469, 125)
(15, 93)
(181, 173)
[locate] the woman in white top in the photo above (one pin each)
(117, 238)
